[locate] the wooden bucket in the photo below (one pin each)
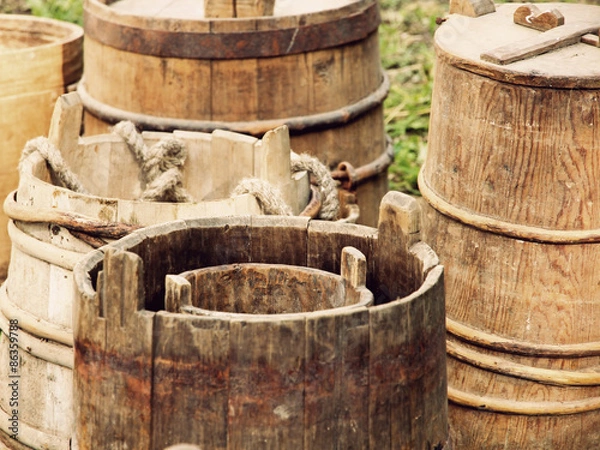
(305, 365)
(313, 66)
(511, 177)
(54, 227)
(40, 59)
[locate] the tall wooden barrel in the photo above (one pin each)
(53, 227)
(511, 180)
(313, 66)
(40, 59)
(238, 333)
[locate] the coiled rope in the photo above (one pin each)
(161, 165)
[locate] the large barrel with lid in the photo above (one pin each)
(238, 333)
(40, 59)
(53, 227)
(511, 177)
(313, 66)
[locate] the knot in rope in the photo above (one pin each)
(160, 164)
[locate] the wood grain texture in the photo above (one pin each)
(461, 41)
(522, 150)
(37, 68)
(238, 94)
(361, 377)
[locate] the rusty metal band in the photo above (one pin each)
(234, 45)
(503, 228)
(341, 116)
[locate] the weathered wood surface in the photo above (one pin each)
(267, 289)
(46, 244)
(329, 94)
(553, 39)
(315, 379)
(513, 217)
(460, 41)
(32, 77)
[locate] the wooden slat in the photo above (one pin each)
(66, 122)
(327, 239)
(196, 173)
(553, 39)
(89, 331)
(190, 381)
(354, 267)
(272, 164)
(337, 381)
(116, 371)
(398, 232)
(279, 240)
(219, 241)
(266, 399)
(407, 370)
(234, 89)
(178, 293)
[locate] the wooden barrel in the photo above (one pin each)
(53, 227)
(313, 66)
(309, 364)
(40, 59)
(511, 177)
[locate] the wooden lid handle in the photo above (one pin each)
(238, 8)
(530, 16)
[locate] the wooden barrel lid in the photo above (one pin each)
(295, 27)
(474, 44)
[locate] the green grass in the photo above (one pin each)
(67, 10)
(406, 36)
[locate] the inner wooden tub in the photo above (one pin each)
(270, 288)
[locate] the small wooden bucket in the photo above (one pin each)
(261, 345)
(312, 65)
(40, 59)
(53, 227)
(511, 176)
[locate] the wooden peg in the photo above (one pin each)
(354, 267)
(472, 8)
(530, 16)
(178, 293)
